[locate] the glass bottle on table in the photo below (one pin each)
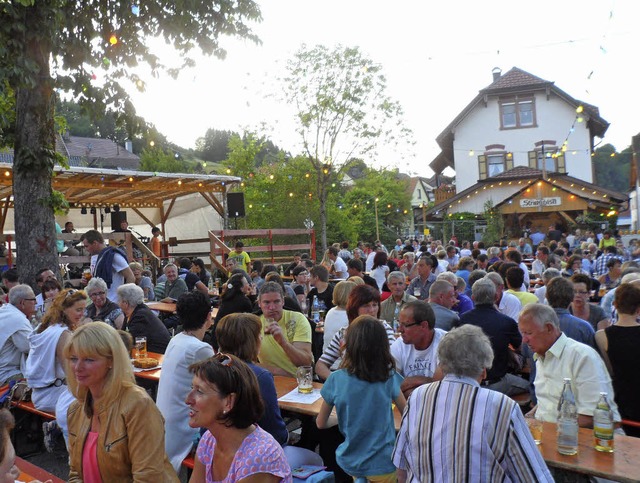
(603, 425)
(567, 436)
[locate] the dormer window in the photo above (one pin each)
(517, 112)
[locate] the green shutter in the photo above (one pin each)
(482, 166)
(508, 162)
(561, 164)
(533, 159)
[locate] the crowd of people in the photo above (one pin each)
(454, 329)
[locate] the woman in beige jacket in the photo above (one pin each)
(116, 432)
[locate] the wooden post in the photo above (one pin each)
(271, 246)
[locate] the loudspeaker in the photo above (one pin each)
(235, 205)
(116, 218)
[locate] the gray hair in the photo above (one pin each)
(549, 274)
(495, 277)
(20, 292)
(271, 287)
(96, 282)
(438, 287)
(493, 251)
(448, 277)
(409, 256)
(396, 274)
(484, 291)
(170, 265)
(131, 293)
(540, 314)
(465, 351)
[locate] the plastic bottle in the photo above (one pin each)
(315, 310)
(567, 436)
(210, 285)
(281, 271)
(603, 425)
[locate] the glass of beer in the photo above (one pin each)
(416, 292)
(140, 348)
(86, 274)
(535, 426)
(304, 375)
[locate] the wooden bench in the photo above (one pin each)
(29, 407)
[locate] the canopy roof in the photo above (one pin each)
(98, 187)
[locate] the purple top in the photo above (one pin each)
(258, 453)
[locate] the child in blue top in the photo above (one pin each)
(362, 391)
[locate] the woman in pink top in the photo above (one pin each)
(234, 448)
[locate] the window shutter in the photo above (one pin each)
(482, 166)
(533, 159)
(561, 164)
(509, 162)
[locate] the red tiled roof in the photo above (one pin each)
(516, 78)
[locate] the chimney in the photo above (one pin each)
(497, 72)
(128, 145)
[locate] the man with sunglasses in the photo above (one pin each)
(286, 344)
(415, 351)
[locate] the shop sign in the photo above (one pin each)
(534, 203)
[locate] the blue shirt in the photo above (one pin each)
(365, 418)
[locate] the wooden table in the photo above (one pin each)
(162, 306)
(153, 375)
(621, 465)
(31, 472)
(285, 385)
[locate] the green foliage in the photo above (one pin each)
(57, 202)
(612, 172)
(393, 205)
(76, 36)
(495, 223)
(160, 160)
(214, 145)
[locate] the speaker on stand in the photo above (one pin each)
(235, 206)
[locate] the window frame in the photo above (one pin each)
(517, 101)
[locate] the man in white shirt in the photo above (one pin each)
(14, 332)
(339, 267)
(415, 351)
(508, 303)
(558, 357)
(41, 277)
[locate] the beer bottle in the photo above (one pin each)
(567, 436)
(603, 425)
(396, 317)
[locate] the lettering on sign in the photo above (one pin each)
(529, 203)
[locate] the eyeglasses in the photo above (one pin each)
(580, 292)
(223, 359)
(405, 326)
(70, 293)
(32, 300)
(96, 294)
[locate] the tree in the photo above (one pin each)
(48, 44)
(385, 192)
(158, 159)
(612, 169)
(214, 146)
(342, 112)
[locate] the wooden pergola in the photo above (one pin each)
(134, 190)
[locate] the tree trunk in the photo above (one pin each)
(35, 135)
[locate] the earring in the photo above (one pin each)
(224, 411)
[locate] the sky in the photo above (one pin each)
(436, 57)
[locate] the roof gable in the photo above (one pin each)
(516, 77)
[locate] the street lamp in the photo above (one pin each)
(377, 226)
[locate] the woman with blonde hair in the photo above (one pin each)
(116, 432)
(45, 370)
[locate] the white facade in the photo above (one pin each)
(554, 119)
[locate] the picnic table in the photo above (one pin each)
(30, 472)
